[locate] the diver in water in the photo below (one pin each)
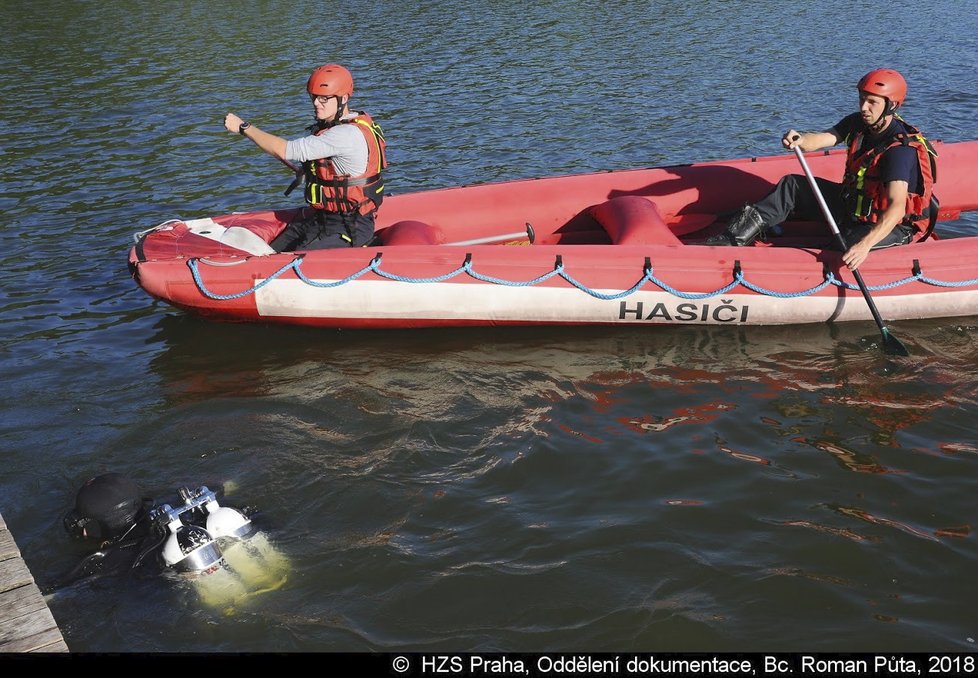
(214, 546)
(110, 511)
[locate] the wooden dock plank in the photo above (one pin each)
(8, 549)
(26, 622)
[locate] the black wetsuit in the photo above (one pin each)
(137, 549)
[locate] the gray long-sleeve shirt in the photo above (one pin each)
(344, 145)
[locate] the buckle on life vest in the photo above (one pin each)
(314, 195)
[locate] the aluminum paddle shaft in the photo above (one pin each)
(891, 345)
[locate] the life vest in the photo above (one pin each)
(865, 193)
(344, 193)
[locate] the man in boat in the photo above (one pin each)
(886, 195)
(342, 157)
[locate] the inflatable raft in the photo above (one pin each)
(607, 248)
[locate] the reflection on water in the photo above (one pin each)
(411, 475)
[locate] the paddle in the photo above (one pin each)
(891, 345)
(298, 175)
(528, 234)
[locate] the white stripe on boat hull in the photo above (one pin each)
(502, 304)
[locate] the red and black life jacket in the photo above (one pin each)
(344, 193)
(866, 194)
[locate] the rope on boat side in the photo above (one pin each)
(194, 270)
(942, 283)
(829, 280)
(918, 275)
(558, 270)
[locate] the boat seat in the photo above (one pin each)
(411, 233)
(633, 220)
(233, 237)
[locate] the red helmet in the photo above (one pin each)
(887, 83)
(330, 80)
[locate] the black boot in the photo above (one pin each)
(745, 228)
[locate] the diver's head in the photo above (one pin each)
(106, 508)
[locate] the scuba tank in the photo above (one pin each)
(230, 561)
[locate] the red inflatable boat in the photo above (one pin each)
(605, 248)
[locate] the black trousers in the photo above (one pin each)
(793, 195)
(316, 229)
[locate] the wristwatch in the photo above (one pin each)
(242, 127)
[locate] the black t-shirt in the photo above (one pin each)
(898, 163)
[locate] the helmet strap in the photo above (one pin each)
(879, 125)
(340, 107)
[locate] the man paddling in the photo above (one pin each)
(886, 195)
(343, 158)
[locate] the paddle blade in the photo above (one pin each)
(892, 345)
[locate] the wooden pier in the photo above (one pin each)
(26, 623)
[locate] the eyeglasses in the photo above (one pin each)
(321, 98)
